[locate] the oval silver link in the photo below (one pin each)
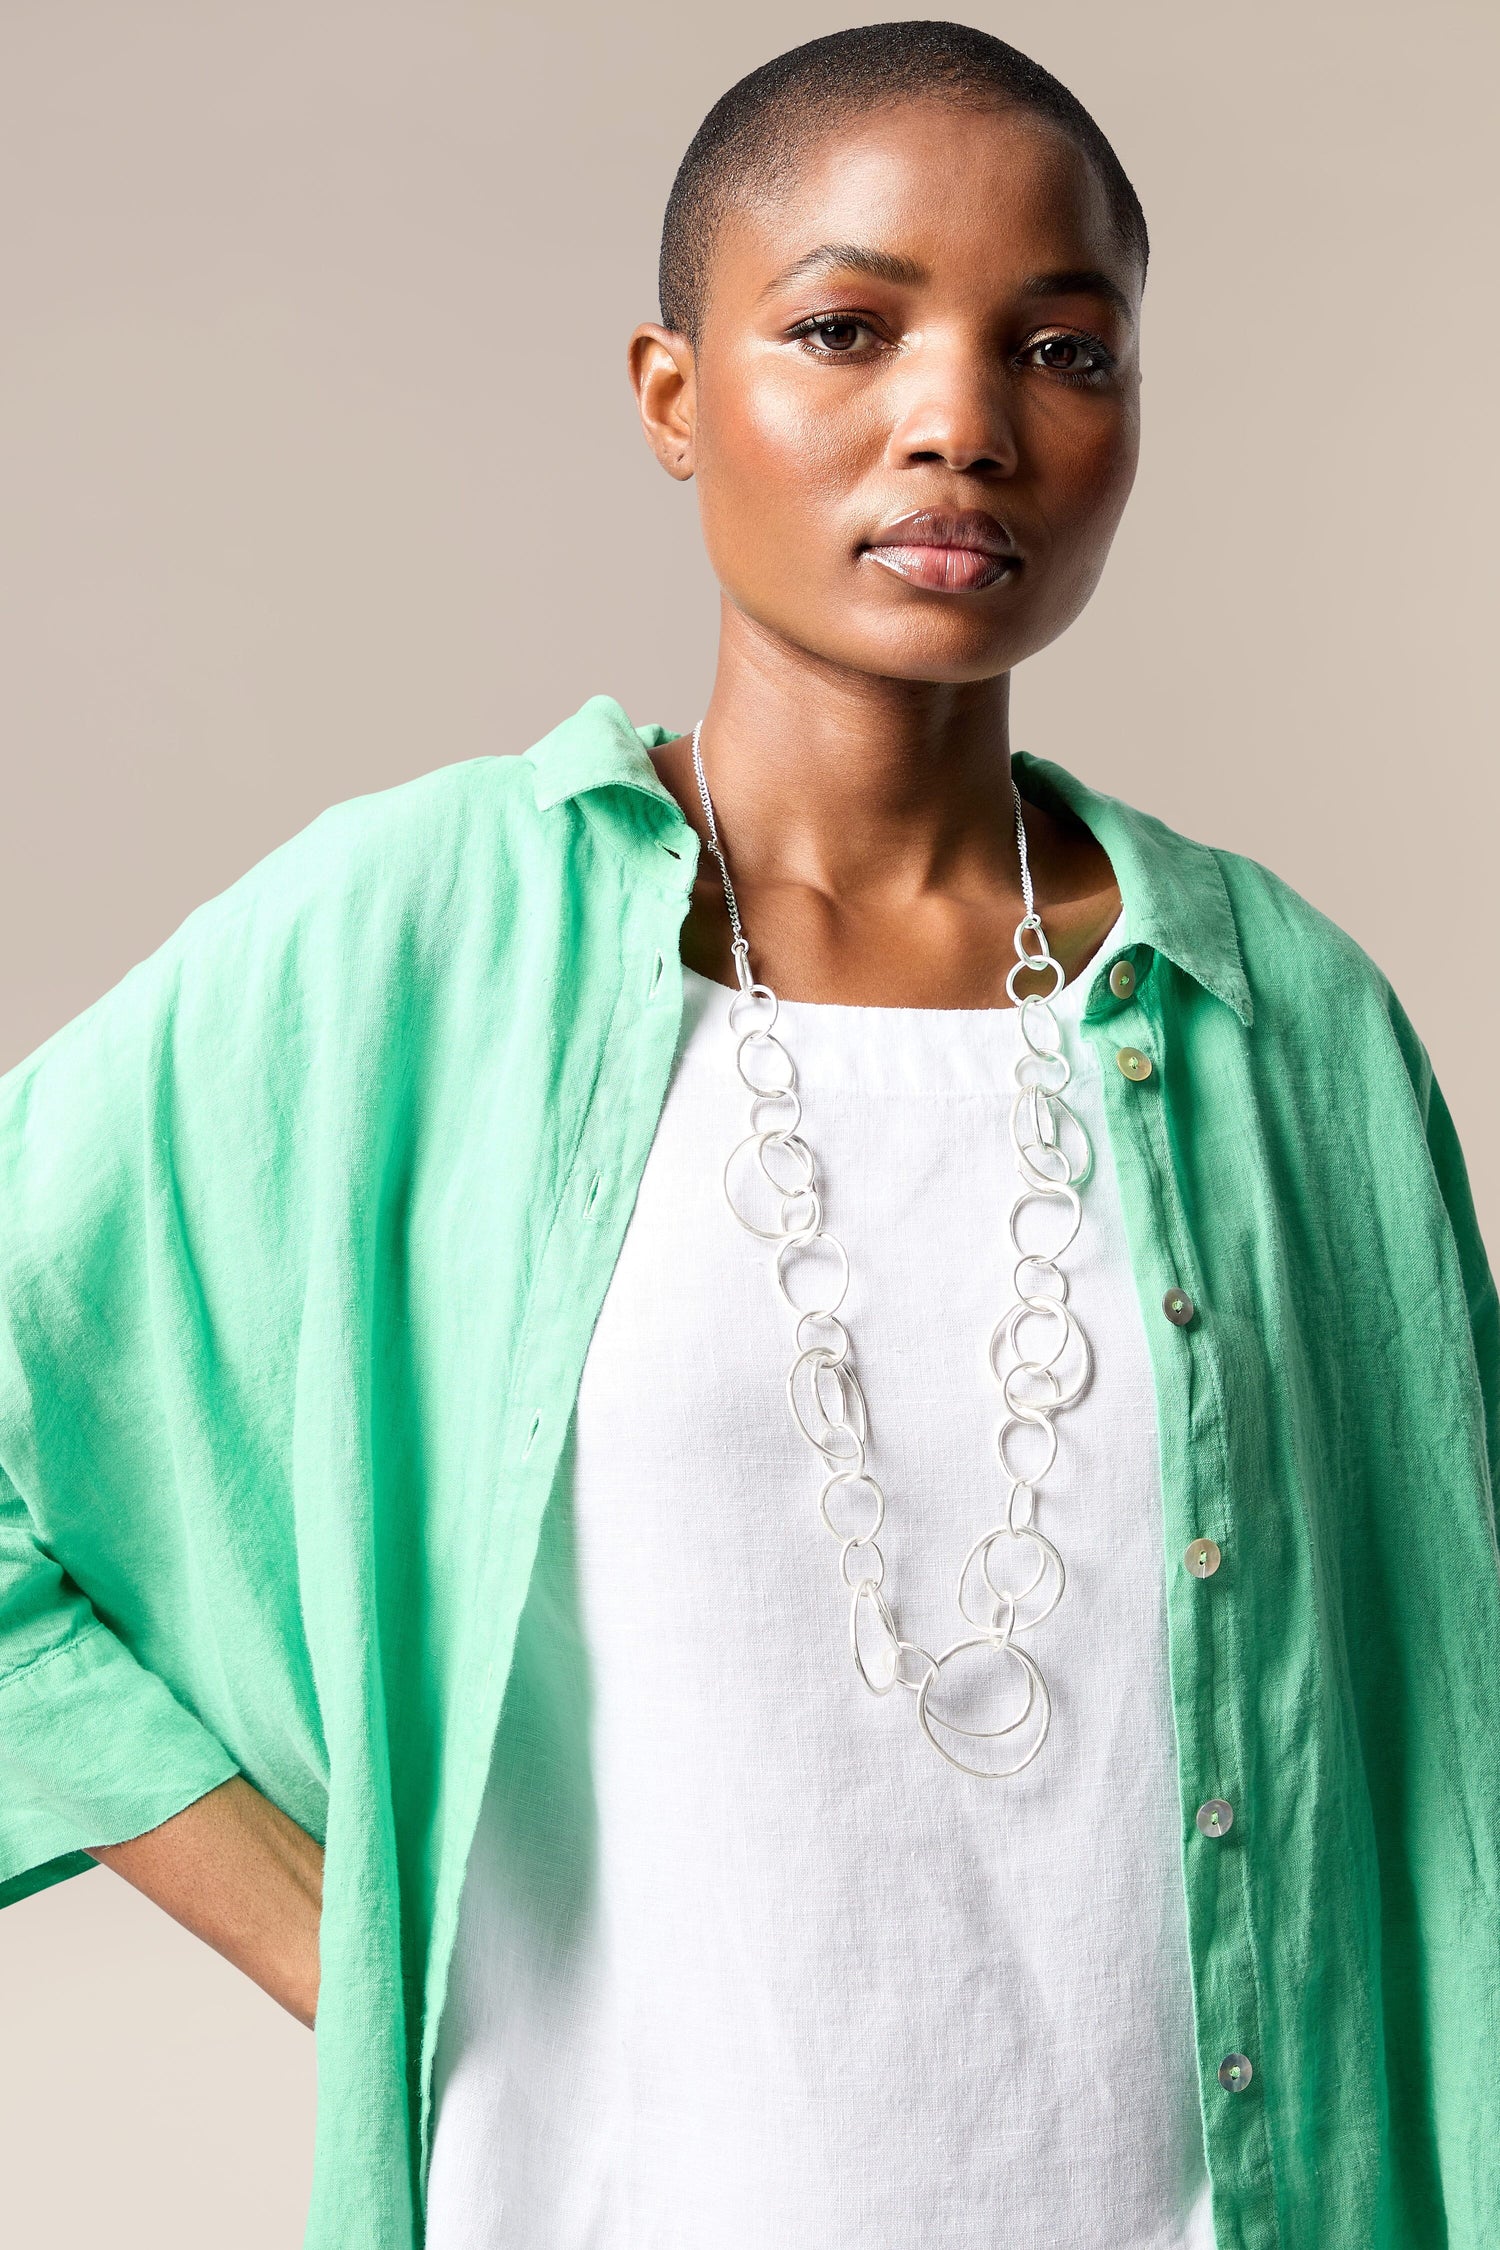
(832, 1320)
(787, 1085)
(1033, 1068)
(788, 1125)
(1025, 1534)
(1027, 966)
(755, 995)
(1077, 1175)
(819, 1361)
(1035, 1008)
(913, 1648)
(980, 1549)
(1025, 1406)
(803, 1242)
(1053, 1309)
(1026, 1422)
(852, 1477)
(1030, 1194)
(754, 1141)
(857, 1547)
(1056, 1308)
(783, 1139)
(1036, 1686)
(867, 1591)
(812, 1229)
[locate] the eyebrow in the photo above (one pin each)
(848, 257)
(886, 265)
(1079, 281)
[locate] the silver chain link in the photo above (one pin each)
(1053, 1159)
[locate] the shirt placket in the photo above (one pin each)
(1207, 1548)
(616, 1122)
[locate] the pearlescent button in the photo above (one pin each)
(1122, 980)
(1134, 1064)
(1203, 1557)
(1216, 1818)
(1178, 1307)
(1236, 2072)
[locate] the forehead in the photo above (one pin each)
(962, 191)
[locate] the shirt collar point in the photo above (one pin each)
(1173, 889)
(597, 747)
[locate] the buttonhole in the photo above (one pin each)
(670, 853)
(656, 974)
(531, 1435)
(593, 1196)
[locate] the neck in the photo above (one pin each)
(854, 784)
(870, 832)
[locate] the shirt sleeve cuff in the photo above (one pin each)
(94, 1749)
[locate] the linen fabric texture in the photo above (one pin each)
(306, 1226)
(740, 1959)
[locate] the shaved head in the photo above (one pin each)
(749, 145)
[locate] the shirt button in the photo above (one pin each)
(1235, 2073)
(1122, 980)
(1203, 1557)
(1134, 1064)
(1216, 1817)
(1178, 1307)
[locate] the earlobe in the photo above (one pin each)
(662, 377)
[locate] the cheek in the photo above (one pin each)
(770, 450)
(1093, 471)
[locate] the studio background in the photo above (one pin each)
(318, 469)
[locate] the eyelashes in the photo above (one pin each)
(822, 325)
(1092, 359)
(1078, 357)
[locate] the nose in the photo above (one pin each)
(954, 409)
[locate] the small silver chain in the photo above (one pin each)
(1053, 1160)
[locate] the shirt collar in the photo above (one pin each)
(598, 748)
(1173, 890)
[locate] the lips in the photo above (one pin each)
(946, 554)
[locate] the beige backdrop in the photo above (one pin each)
(318, 469)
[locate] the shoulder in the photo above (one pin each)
(357, 904)
(1226, 918)
(1316, 992)
(391, 850)
(1283, 936)
(372, 874)
(483, 829)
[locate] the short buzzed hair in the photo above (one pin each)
(750, 139)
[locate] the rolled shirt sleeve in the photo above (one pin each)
(154, 1213)
(94, 1748)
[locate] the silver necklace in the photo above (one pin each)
(1037, 1353)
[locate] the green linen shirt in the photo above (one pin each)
(306, 1225)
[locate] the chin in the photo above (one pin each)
(943, 641)
(946, 652)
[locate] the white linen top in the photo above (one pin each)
(742, 1961)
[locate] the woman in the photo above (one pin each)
(1045, 1786)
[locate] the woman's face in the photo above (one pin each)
(913, 412)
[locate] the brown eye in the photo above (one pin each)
(838, 335)
(1075, 358)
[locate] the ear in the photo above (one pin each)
(662, 373)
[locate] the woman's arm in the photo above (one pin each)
(241, 1876)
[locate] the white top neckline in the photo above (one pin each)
(1068, 1006)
